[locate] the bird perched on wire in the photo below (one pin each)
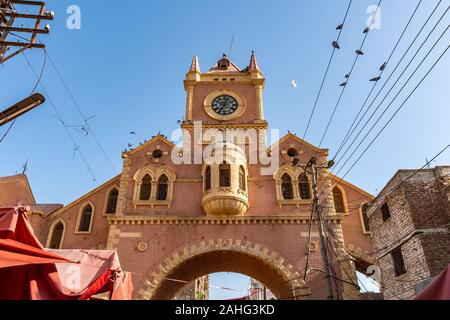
(375, 79)
(347, 76)
(359, 52)
(383, 66)
(293, 84)
(343, 84)
(335, 45)
(340, 27)
(366, 30)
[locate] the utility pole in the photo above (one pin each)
(13, 17)
(317, 212)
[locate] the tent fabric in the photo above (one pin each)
(29, 272)
(439, 288)
(95, 267)
(14, 225)
(15, 254)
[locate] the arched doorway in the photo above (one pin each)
(195, 261)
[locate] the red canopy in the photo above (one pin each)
(439, 288)
(15, 254)
(29, 272)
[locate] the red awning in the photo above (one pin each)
(29, 272)
(439, 288)
(15, 254)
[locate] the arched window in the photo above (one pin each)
(57, 235)
(85, 219)
(224, 175)
(242, 180)
(146, 188)
(286, 187)
(208, 178)
(365, 218)
(163, 187)
(112, 201)
(338, 200)
(303, 187)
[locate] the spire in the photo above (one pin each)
(253, 66)
(195, 65)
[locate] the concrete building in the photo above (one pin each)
(409, 222)
(173, 213)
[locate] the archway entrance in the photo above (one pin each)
(194, 262)
(224, 261)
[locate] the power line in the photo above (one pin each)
(97, 141)
(32, 91)
(386, 109)
(345, 85)
(76, 147)
(396, 112)
(85, 120)
(325, 75)
(382, 69)
(393, 189)
(393, 86)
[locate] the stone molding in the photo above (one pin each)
(286, 270)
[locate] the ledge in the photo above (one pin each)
(132, 219)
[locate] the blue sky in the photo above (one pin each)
(126, 65)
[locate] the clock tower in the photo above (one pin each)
(226, 95)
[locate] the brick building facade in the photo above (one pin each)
(170, 217)
(409, 222)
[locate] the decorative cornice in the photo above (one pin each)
(133, 219)
(253, 125)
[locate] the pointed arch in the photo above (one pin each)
(242, 179)
(225, 175)
(287, 191)
(304, 187)
(56, 234)
(340, 200)
(85, 218)
(111, 200)
(163, 188)
(145, 189)
(364, 218)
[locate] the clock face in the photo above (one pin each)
(224, 105)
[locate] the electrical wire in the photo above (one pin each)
(38, 81)
(325, 77)
(349, 75)
(401, 106)
(393, 86)
(344, 141)
(396, 112)
(85, 120)
(58, 115)
(81, 113)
